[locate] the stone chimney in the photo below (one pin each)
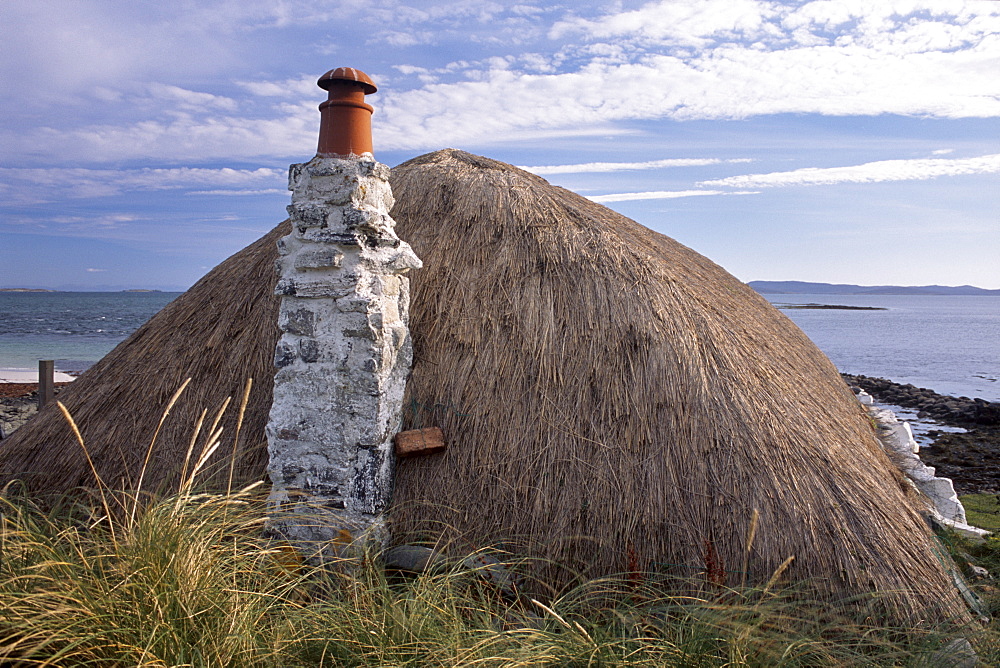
(344, 352)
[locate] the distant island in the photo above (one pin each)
(805, 288)
(833, 307)
(25, 290)
(141, 290)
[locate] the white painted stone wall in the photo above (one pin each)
(343, 356)
(897, 439)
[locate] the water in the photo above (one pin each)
(73, 328)
(920, 426)
(950, 344)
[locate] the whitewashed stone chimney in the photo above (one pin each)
(344, 352)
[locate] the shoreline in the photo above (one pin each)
(971, 459)
(16, 376)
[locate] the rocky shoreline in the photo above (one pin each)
(18, 402)
(971, 459)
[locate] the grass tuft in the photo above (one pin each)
(126, 578)
(191, 580)
(982, 510)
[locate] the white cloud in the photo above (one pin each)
(920, 58)
(191, 100)
(901, 25)
(263, 191)
(676, 59)
(662, 194)
(871, 172)
(603, 167)
(290, 131)
(736, 84)
(683, 22)
(92, 269)
(26, 185)
(398, 38)
(297, 88)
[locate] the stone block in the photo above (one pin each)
(284, 286)
(354, 304)
(340, 238)
(331, 189)
(314, 286)
(391, 259)
(372, 483)
(283, 246)
(334, 167)
(319, 258)
(295, 175)
(284, 354)
(309, 350)
(388, 285)
(364, 220)
(299, 321)
(367, 165)
(306, 215)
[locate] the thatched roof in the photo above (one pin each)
(612, 400)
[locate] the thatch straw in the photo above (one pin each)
(613, 401)
(612, 398)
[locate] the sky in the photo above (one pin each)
(840, 141)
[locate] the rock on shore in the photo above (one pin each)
(955, 411)
(970, 459)
(15, 411)
(18, 402)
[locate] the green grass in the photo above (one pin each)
(124, 579)
(190, 580)
(982, 510)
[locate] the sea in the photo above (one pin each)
(75, 329)
(950, 344)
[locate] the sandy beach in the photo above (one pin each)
(29, 376)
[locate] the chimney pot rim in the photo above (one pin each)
(348, 74)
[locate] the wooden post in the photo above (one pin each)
(46, 382)
(419, 442)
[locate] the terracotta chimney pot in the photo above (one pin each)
(345, 125)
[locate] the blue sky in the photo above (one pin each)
(827, 140)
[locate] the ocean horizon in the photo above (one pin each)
(950, 344)
(75, 329)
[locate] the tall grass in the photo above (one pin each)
(186, 582)
(191, 579)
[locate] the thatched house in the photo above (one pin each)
(612, 400)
